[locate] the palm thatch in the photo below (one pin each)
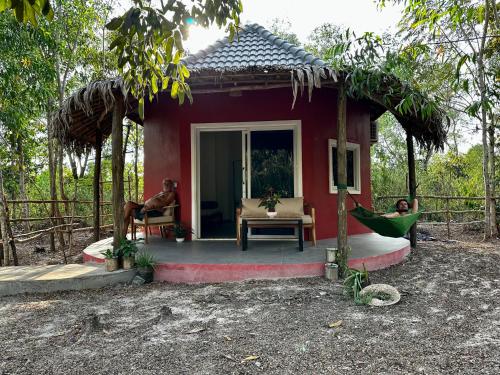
(88, 109)
(91, 107)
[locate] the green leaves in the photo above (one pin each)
(148, 42)
(27, 11)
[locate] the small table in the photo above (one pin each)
(268, 222)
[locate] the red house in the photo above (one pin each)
(241, 135)
(249, 128)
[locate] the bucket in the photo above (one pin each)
(331, 271)
(331, 254)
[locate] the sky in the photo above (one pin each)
(304, 16)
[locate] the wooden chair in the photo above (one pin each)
(163, 222)
(308, 217)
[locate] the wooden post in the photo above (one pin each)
(96, 186)
(412, 185)
(448, 217)
(117, 168)
(342, 177)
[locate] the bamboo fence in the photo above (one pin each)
(65, 223)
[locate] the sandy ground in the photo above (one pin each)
(447, 322)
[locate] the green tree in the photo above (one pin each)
(465, 33)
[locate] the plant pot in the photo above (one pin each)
(128, 263)
(331, 254)
(271, 213)
(179, 239)
(331, 271)
(146, 273)
(111, 264)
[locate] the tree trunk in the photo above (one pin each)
(489, 220)
(492, 170)
(125, 143)
(60, 172)
(52, 177)
(8, 244)
(72, 163)
(136, 158)
(342, 178)
(412, 186)
(22, 185)
(83, 166)
(117, 168)
(97, 180)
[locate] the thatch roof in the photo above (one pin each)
(258, 60)
(88, 109)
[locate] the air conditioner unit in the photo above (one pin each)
(373, 132)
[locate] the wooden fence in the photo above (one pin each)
(63, 225)
(442, 208)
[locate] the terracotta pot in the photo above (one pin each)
(146, 273)
(128, 263)
(111, 264)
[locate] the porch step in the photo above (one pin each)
(46, 279)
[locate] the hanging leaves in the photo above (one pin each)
(149, 43)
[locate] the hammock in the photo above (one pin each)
(385, 226)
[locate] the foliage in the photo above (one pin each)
(144, 260)
(281, 28)
(272, 168)
(323, 38)
(109, 254)
(180, 230)
(270, 200)
(127, 248)
(148, 42)
(28, 11)
(354, 281)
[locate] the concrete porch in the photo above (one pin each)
(220, 261)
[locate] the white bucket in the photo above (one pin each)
(331, 271)
(331, 254)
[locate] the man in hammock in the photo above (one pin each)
(154, 205)
(403, 208)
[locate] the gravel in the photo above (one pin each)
(448, 321)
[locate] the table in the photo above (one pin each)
(268, 222)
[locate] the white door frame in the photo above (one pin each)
(245, 128)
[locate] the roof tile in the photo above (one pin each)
(256, 48)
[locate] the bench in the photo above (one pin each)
(289, 211)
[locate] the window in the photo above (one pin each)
(353, 167)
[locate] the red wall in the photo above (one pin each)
(167, 144)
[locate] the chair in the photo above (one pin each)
(288, 207)
(163, 222)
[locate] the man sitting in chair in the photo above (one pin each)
(154, 205)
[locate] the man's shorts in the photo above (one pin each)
(140, 216)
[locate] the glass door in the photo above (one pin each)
(271, 162)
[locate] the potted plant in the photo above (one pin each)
(180, 232)
(269, 201)
(127, 251)
(111, 259)
(145, 266)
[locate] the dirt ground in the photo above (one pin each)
(448, 321)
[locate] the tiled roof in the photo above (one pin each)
(255, 49)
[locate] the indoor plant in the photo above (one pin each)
(269, 201)
(145, 266)
(127, 251)
(111, 259)
(180, 232)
